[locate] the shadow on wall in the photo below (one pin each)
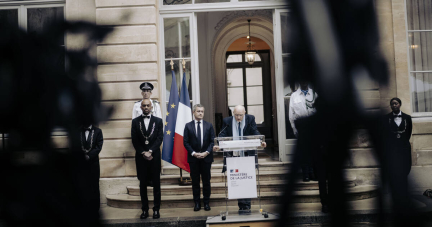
(43, 86)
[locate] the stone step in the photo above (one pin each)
(184, 201)
(219, 188)
(218, 177)
(217, 167)
(423, 157)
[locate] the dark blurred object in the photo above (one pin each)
(43, 86)
(428, 193)
(333, 44)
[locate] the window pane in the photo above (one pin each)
(177, 38)
(235, 96)
(257, 57)
(419, 15)
(420, 50)
(168, 78)
(254, 95)
(9, 16)
(234, 77)
(422, 94)
(176, 2)
(258, 112)
(253, 76)
(41, 19)
(234, 58)
(285, 32)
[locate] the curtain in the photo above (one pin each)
(420, 53)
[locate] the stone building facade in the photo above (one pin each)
(135, 52)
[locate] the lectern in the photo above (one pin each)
(240, 168)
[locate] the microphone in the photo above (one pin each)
(222, 130)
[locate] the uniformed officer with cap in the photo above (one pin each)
(146, 92)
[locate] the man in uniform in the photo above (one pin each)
(198, 139)
(146, 92)
(147, 136)
(241, 124)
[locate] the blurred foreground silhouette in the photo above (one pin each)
(45, 88)
(335, 43)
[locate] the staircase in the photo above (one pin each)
(272, 177)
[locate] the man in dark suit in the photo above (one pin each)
(147, 136)
(198, 139)
(241, 124)
(91, 145)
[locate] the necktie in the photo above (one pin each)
(239, 129)
(396, 116)
(148, 117)
(199, 134)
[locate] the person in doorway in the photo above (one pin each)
(146, 92)
(147, 136)
(198, 139)
(301, 106)
(241, 124)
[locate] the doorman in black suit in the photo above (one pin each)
(198, 139)
(397, 155)
(241, 124)
(147, 136)
(91, 145)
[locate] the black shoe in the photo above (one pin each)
(144, 215)
(306, 179)
(207, 207)
(325, 209)
(156, 214)
(197, 206)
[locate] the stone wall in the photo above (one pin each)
(127, 57)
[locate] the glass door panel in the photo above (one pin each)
(9, 16)
(177, 37)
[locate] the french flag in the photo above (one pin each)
(184, 116)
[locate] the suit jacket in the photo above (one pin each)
(250, 128)
(391, 127)
(190, 140)
(95, 147)
(138, 131)
(398, 150)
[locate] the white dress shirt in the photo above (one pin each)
(202, 133)
(88, 132)
(297, 106)
(146, 121)
(398, 120)
(136, 111)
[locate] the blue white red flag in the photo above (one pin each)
(170, 123)
(184, 116)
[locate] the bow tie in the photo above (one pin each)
(396, 116)
(86, 129)
(148, 117)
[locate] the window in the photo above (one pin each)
(419, 19)
(34, 19)
(245, 85)
(177, 47)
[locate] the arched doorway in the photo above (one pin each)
(231, 37)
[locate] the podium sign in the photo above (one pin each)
(241, 177)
